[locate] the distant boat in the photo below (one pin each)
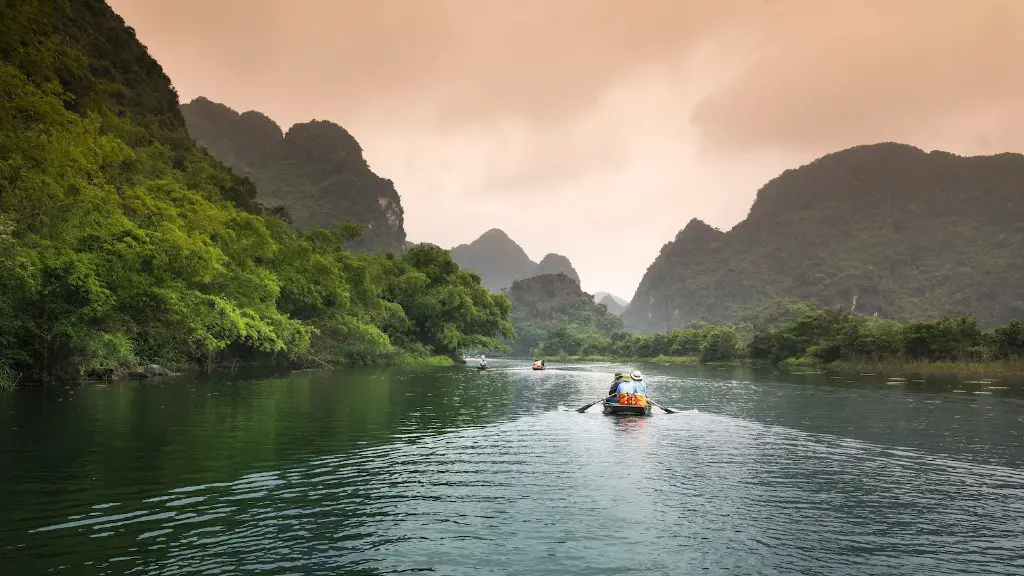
(539, 365)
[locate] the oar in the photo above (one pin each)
(584, 409)
(667, 410)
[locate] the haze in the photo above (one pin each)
(598, 128)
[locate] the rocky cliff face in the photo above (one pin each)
(886, 229)
(315, 171)
(499, 261)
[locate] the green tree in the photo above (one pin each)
(720, 344)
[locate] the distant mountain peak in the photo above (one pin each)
(614, 304)
(496, 234)
(556, 263)
(697, 228)
(315, 170)
(499, 261)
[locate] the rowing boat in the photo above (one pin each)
(627, 403)
(615, 408)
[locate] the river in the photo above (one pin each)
(455, 471)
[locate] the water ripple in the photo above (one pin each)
(556, 492)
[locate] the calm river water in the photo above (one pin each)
(454, 471)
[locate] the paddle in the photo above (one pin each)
(584, 408)
(667, 410)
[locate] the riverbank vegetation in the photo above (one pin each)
(125, 243)
(555, 305)
(815, 336)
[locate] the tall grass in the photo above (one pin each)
(8, 378)
(421, 361)
(884, 365)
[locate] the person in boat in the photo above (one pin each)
(615, 384)
(631, 392)
(542, 365)
(638, 382)
(483, 361)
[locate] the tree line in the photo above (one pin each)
(125, 244)
(817, 334)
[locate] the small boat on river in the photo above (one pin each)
(627, 404)
(539, 365)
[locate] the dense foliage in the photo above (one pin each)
(554, 306)
(126, 243)
(810, 333)
(500, 261)
(316, 171)
(886, 228)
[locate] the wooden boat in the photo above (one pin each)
(626, 409)
(481, 367)
(629, 404)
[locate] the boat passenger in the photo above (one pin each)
(483, 361)
(542, 364)
(615, 384)
(632, 392)
(627, 386)
(638, 382)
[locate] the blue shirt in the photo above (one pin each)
(632, 386)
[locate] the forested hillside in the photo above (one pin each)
(315, 171)
(554, 305)
(885, 229)
(125, 243)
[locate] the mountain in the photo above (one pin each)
(556, 264)
(496, 258)
(601, 296)
(887, 229)
(315, 171)
(542, 303)
(613, 304)
(499, 261)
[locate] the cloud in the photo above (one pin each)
(815, 75)
(859, 72)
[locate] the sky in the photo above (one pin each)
(598, 128)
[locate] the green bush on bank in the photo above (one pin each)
(818, 336)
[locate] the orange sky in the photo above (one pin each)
(598, 128)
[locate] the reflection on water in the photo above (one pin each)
(461, 472)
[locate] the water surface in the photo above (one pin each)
(454, 471)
